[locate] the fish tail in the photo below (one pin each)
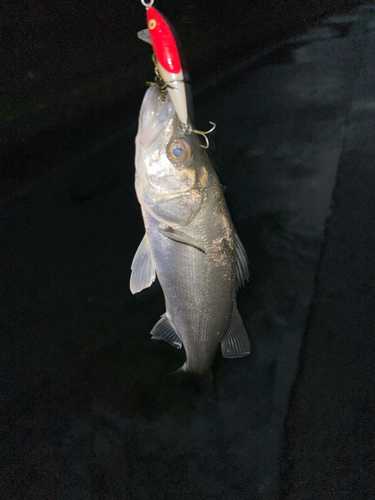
(182, 369)
(204, 384)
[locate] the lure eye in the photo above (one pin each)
(152, 24)
(179, 151)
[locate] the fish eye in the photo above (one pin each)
(179, 151)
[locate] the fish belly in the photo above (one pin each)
(198, 285)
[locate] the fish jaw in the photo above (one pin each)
(172, 193)
(154, 115)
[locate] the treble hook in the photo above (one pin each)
(188, 129)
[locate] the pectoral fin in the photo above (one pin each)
(180, 237)
(236, 343)
(242, 269)
(143, 268)
(163, 330)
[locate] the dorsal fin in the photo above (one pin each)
(236, 343)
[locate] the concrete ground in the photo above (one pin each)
(87, 412)
(330, 427)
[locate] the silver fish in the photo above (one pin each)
(190, 241)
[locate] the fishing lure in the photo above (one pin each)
(167, 59)
(168, 67)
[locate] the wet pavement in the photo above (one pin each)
(88, 412)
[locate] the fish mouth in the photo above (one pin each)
(156, 112)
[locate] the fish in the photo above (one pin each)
(190, 243)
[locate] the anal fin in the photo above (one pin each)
(163, 330)
(242, 263)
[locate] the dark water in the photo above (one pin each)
(89, 412)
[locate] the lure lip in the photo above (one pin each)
(168, 58)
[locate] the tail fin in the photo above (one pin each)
(204, 384)
(182, 369)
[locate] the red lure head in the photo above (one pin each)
(163, 41)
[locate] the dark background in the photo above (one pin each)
(85, 414)
(75, 69)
